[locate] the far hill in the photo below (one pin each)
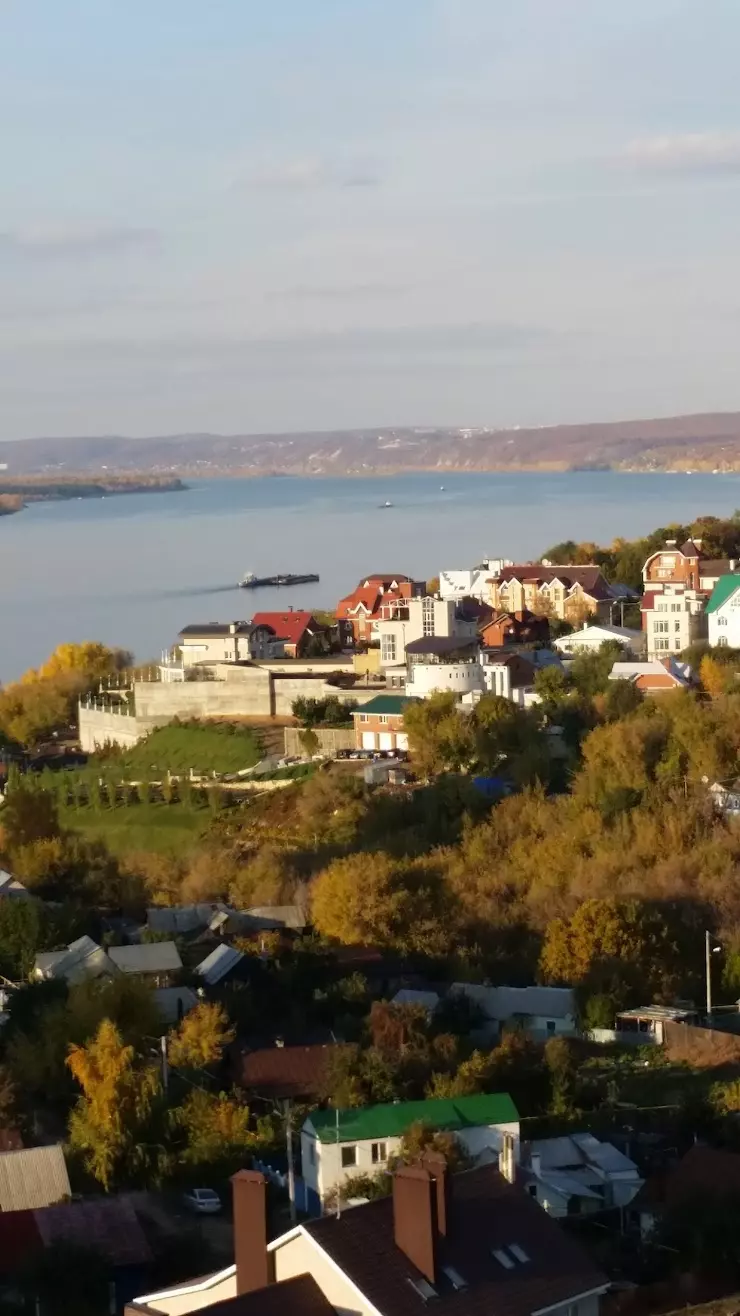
(705, 442)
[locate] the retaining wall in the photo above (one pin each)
(330, 740)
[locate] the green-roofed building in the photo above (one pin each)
(337, 1144)
(723, 612)
(379, 723)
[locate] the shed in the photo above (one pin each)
(34, 1177)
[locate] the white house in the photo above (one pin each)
(230, 642)
(542, 1011)
(402, 621)
(590, 639)
(472, 584)
(673, 617)
(338, 1144)
(578, 1175)
(723, 612)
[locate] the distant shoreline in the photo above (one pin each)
(17, 492)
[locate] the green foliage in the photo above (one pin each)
(328, 712)
(204, 746)
(24, 931)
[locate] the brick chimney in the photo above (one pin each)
(415, 1218)
(436, 1164)
(254, 1264)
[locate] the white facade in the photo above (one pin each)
(544, 1011)
(425, 679)
(675, 620)
(233, 642)
(590, 639)
(723, 620)
(415, 619)
(472, 584)
(326, 1166)
(579, 1174)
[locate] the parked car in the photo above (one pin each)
(204, 1201)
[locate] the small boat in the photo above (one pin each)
(382, 506)
(250, 581)
(441, 488)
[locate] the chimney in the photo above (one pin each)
(670, 543)
(233, 627)
(436, 1164)
(415, 1218)
(507, 1158)
(253, 1262)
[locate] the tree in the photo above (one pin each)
(561, 1062)
(217, 1131)
(552, 683)
(109, 1124)
(201, 1038)
(24, 928)
(619, 946)
(30, 814)
(310, 742)
(423, 1137)
(440, 736)
(376, 899)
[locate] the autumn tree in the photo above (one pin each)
(373, 898)
(201, 1038)
(217, 1131)
(109, 1125)
(423, 1137)
(440, 736)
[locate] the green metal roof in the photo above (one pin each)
(384, 704)
(723, 590)
(394, 1119)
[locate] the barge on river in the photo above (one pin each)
(250, 581)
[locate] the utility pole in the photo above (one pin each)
(291, 1170)
(708, 955)
(165, 1063)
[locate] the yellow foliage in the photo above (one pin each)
(201, 1038)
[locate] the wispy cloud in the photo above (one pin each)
(686, 153)
(76, 243)
(305, 173)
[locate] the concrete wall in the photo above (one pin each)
(330, 740)
(99, 727)
(425, 679)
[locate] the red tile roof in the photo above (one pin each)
(288, 626)
(286, 1071)
(486, 1213)
(590, 578)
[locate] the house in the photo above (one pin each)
(228, 642)
(108, 1225)
(672, 619)
(543, 1011)
(155, 962)
(510, 676)
(174, 1003)
(337, 1144)
(578, 1175)
(379, 723)
(646, 1023)
(437, 662)
(302, 635)
(358, 613)
(726, 798)
(33, 1177)
(401, 624)
(471, 584)
(223, 962)
(286, 1073)
(654, 677)
(504, 628)
(187, 920)
(567, 592)
(472, 1243)
(83, 959)
(687, 566)
(589, 639)
(11, 888)
(723, 612)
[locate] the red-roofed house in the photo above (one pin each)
(567, 592)
(302, 634)
(686, 565)
(358, 613)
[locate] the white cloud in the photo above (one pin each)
(687, 153)
(76, 242)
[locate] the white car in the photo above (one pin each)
(203, 1200)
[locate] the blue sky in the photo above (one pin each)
(303, 214)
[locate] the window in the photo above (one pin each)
(532, 1189)
(721, 639)
(427, 616)
(349, 1157)
(550, 1025)
(661, 644)
(383, 719)
(388, 648)
(661, 607)
(675, 607)
(676, 625)
(721, 621)
(363, 717)
(379, 1153)
(660, 627)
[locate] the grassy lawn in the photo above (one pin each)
(203, 746)
(164, 828)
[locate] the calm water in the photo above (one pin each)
(133, 570)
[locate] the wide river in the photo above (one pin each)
(132, 570)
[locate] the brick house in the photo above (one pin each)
(566, 592)
(522, 627)
(302, 635)
(379, 723)
(358, 613)
(687, 566)
(654, 677)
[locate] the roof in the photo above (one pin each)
(287, 1071)
(504, 1003)
(108, 1224)
(299, 1296)
(384, 704)
(220, 962)
(273, 917)
(590, 578)
(724, 589)
(36, 1176)
(10, 886)
(680, 673)
(288, 626)
(82, 959)
(581, 1149)
(487, 1213)
(414, 996)
(183, 918)
(216, 628)
(393, 1119)
(600, 632)
(149, 957)
(717, 566)
(174, 1002)
(438, 644)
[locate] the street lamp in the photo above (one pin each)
(709, 951)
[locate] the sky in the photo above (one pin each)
(266, 215)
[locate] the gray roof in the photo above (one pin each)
(33, 1178)
(220, 962)
(174, 1002)
(154, 957)
(216, 628)
(82, 959)
(267, 917)
(10, 886)
(180, 919)
(414, 996)
(504, 1003)
(440, 644)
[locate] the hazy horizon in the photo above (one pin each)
(249, 219)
